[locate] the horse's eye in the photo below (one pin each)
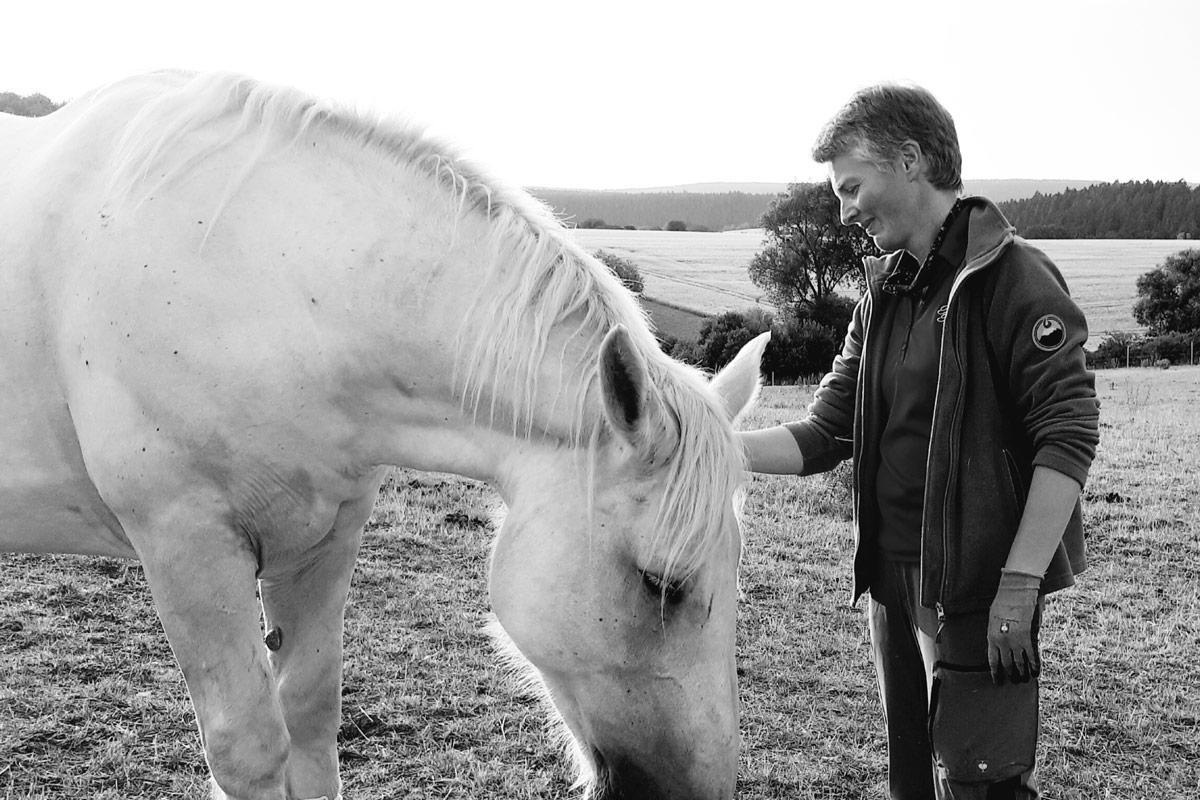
(670, 591)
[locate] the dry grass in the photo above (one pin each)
(91, 705)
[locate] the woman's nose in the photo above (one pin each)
(849, 212)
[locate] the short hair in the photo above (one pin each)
(878, 119)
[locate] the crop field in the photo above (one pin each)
(702, 271)
(707, 271)
(92, 706)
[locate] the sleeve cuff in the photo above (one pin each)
(1061, 460)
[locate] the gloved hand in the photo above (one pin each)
(1012, 640)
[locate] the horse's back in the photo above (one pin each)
(158, 368)
(53, 172)
(82, 130)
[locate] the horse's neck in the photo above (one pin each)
(419, 310)
(458, 418)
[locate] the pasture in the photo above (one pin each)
(92, 706)
(707, 271)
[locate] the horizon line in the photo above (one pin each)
(678, 187)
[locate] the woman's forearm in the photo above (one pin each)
(1052, 498)
(772, 450)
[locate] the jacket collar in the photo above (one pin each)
(987, 235)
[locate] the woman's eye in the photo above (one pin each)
(672, 592)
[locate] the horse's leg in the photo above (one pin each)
(304, 616)
(202, 578)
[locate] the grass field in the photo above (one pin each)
(91, 705)
(707, 271)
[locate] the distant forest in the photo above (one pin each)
(1133, 210)
(699, 210)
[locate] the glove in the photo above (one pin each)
(1012, 640)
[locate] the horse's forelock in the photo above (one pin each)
(703, 483)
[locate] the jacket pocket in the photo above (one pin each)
(1015, 481)
(982, 732)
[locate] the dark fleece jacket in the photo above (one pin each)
(1013, 393)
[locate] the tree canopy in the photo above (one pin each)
(1169, 295)
(809, 253)
(33, 105)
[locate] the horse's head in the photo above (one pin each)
(615, 576)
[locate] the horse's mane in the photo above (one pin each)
(557, 283)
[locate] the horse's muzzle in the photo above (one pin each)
(622, 778)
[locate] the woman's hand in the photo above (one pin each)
(1012, 636)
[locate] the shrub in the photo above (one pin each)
(624, 269)
(722, 337)
(1175, 347)
(687, 352)
(1114, 349)
(805, 343)
(1120, 349)
(801, 346)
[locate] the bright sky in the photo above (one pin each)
(620, 94)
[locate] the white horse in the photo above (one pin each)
(225, 308)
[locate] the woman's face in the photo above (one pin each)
(882, 202)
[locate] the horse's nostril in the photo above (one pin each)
(621, 779)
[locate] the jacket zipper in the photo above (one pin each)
(861, 398)
(951, 484)
(981, 263)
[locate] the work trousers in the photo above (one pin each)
(907, 640)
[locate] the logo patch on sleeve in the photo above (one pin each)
(1049, 333)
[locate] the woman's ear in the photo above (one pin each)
(911, 159)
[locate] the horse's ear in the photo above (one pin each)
(624, 386)
(738, 383)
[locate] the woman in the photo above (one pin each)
(962, 395)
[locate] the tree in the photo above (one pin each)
(809, 253)
(1169, 295)
(34, 105)
(624, 269)
(676, 225)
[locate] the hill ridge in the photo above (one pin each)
(998, 189)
